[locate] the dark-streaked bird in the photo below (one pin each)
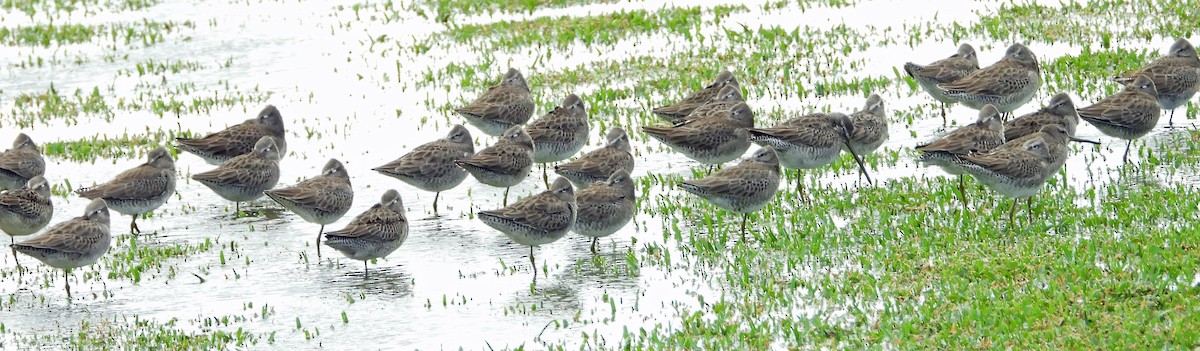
(430, 167)
(600, 164)
(559, 134)
(20, 163)
(26, 210)
(1020, 167)
(870, 127)
(696, 99)
(809, 141)
(605, 207)
(373, 234)
(726, 99)
(502, 106)
(714, 140)
(743, 188)
(322, 199)
(1176, 76)
(984, 135)
(1060, 110)
(1007, 84)
(505, 163)
(1128, 114)
(139, 190)
(245, 177)
(78, 242)
(946, 70)
(239, 139)
(536, 220)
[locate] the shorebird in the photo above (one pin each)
(430, 167)
(1176, 76)
(984, 135)
(1060, 110)
(1129, 114)
(20, 163)
(726, 98)
(809, 141)
(605, 207)
(78, 242)
(597, 165)
(219, 147)
(505, 163)
(26, 210)
(946, 70)
(560, 134)
(139, 190)
(372, 234)
(1007, 84)
(713, 140)
(245, 177)
(536, 220)
(502, 106)
(870, 128)
(743, 188)
(696, 99)
(322, 199)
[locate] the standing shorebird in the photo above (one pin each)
(597, 165)
(696, 99)
(536, 220)
(1060, 110)
(1007, 84)
(322, 199)
(26, 210)
(502, 106)
(505, 163)
(20, 163)
(870, 128)
(430, 167)
(1129, 114)
(808, 142)
(75, 243)
(727, 98)
(605, 207)
(985, 134)
(139, 190)
(1176, 76)
(1020, 167)
(712, 140)
(743, 188)
(220, 147)
(245, 177)
(946, 70)
(560, 134)
(372, 234)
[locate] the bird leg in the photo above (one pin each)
(800, 187)
(1129, 144)
(366, 273)
(1029, 208)
(1011, 212)
(319, 233)
(962, 192)
(944, 121)
(594, 240)
(531, 263)
(133, 228)
(506, 197)
(744, 217)
(67, 280)
(545, 178)
(435, 199)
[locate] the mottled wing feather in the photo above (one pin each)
(75, 236)
(503, 158)
(322, 193)
(239, 168)
(371, 224)
(137, 183)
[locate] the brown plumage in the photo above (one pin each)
(726, 99)
(870, 127)
(431, 167)
(1007, 84)
(20, 163)
(1128, 114)
(696, 99)
(1060, 110)
(1176, 76)
(713, 140)
(502, 106)
(946, 70)
(743, 188)
(373, 234)
(219, 147)
(597, 165)
(322, 199)
(245, 177)
(26, 210)
(536, 220)
(77, 242)
(505, 163)
(138, 190)
(984, 135)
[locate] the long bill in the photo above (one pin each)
(1088, 141)
(861, 166)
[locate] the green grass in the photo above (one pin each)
(138, 34)
(447, 10)
(102, 147)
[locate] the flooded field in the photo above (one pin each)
(1109, 259)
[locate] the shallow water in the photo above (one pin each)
(455, 282)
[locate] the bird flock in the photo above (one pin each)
(593, 194)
